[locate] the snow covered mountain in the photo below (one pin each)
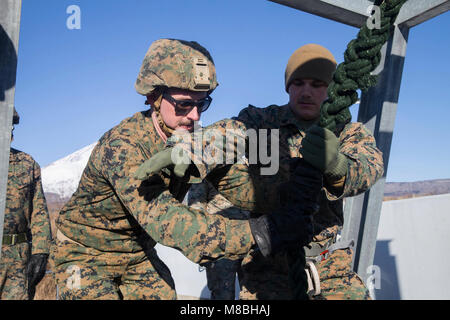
(62, 176)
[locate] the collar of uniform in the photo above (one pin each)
(14, 155)
(287, 117)
(156, 143)
(157, 127)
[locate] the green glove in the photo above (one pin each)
(156, 163)
(320, 148)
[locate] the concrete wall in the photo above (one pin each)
(412, 257)
(413, 249)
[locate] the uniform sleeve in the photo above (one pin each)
(212, 147)
(199, 236)
(243, 184)
(221, 157)
(205, 196)
(40, 219)
(365, 161)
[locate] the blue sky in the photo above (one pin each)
(74, 85)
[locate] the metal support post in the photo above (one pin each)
(9, 40)
(377, 111)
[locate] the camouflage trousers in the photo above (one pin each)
(89, 274)
(268, 278)
(13, 279)
(338, 281)
(265, 278)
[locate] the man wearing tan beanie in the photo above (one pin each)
(351, 164)
(310, 69)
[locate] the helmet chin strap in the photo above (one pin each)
(156, 106)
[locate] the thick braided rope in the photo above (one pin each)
(361, 57)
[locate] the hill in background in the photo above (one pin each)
(402, 190)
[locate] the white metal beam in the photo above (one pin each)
(414, 12)
(355, 12)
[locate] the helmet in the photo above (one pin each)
(310, 61)
(176, 64)
(16, 117)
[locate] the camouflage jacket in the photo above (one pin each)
(112, 211)
(26, 208)
(356, 143)
(262, 195)
(205, 197)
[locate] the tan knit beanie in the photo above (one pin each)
(310, 61)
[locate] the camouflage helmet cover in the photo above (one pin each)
(176, 64)
(16, 117)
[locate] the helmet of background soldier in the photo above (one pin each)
(310, 61)
(176, 63)
(16, 117)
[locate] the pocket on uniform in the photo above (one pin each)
(23, 251)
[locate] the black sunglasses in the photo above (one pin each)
(185, 106)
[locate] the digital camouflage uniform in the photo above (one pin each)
(25, 214)
(267, 278)
(205, 197)
(109, 227)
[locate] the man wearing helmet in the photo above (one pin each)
(350, 164)
(26, 233)
(107, 230)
